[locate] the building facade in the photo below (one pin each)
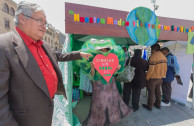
(52, 37)
(7, 13)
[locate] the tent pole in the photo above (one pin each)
(193, 84)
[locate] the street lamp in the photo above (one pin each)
(155, 6)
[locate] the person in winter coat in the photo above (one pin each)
(172, 71)
(138, 82)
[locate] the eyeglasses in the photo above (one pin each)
(39, 21)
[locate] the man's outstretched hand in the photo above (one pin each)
(85, 55)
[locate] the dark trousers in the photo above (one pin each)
(191, 91)
(166, 91)
(154, 92)
(135, 95)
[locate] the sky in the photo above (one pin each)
(55, 9)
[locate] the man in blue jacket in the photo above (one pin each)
(172, 71)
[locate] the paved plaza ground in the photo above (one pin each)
(175, 115)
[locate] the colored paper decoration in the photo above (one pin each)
(106, 66)
(127, 23)
(137, 23)
(162, 27)
(141, 24)
(91, 20)
(93, 46)
(159, 26)
(172, 28)
(165, 27)
(181, 28)
(175, 28)
(81, 19)
(168, 28)
(153, 26)
(133, 23)
(146, 25)
(71, 12)
(147, 35)
(178, 29)
(149, 25)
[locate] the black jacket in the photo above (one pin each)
(141, 66)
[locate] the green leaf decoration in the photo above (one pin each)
(92, 46)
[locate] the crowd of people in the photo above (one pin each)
(30, 77)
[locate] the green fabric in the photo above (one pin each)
(74, 104)
(190, 47)
(118, 83)
(76, 121)
(63, 115)
(92, 46)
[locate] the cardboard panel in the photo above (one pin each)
(77, 27)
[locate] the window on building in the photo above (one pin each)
(12, 12)
(7, 24)
(45, 39)
(5, 8)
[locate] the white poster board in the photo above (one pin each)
(178, 48)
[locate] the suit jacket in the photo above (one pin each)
(24, 96)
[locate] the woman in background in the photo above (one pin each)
(138, 82)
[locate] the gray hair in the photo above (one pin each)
(26, 8)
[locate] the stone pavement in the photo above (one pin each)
(175, 115)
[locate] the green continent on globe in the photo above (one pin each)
(143, 14)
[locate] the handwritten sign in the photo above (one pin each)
(106, 66)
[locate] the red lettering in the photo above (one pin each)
(82, 19)
(91, 20)
(127, 23)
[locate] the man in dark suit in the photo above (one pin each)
(29, 73)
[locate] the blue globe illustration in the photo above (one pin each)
(146, 31)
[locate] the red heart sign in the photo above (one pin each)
(106, 66)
